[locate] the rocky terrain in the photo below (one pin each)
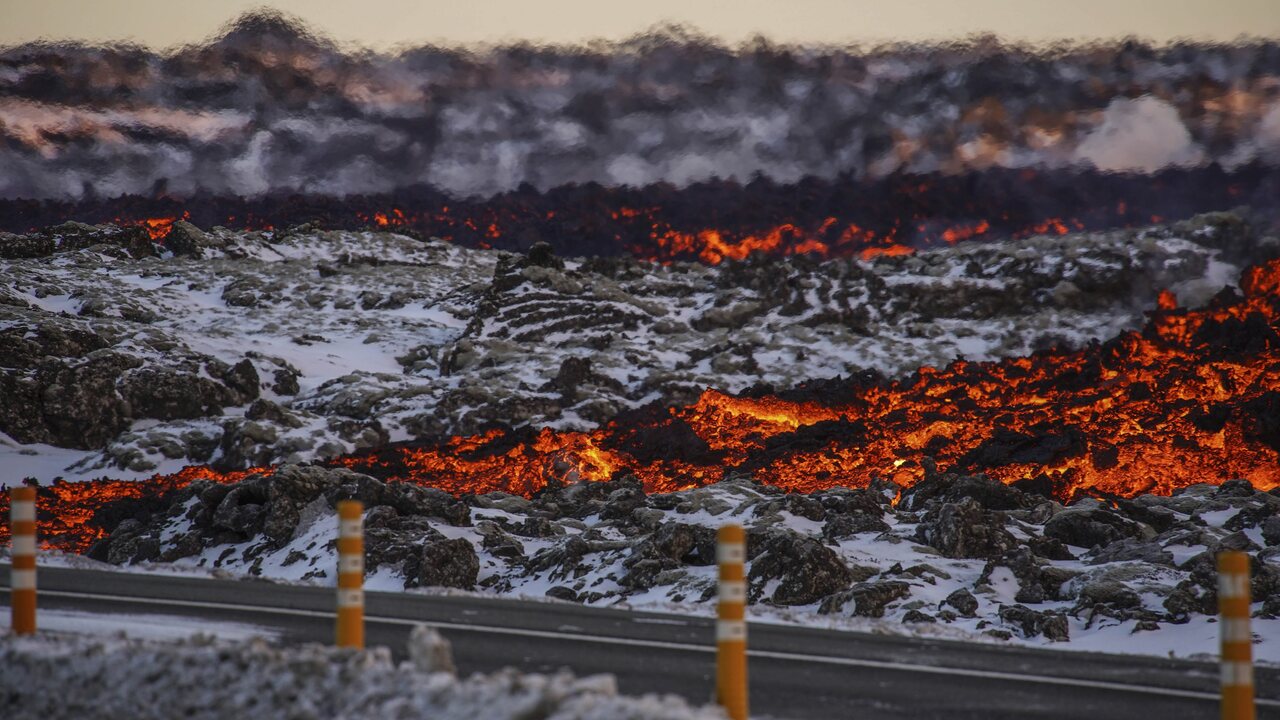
(122, 357)
(961, 556)
(55, 677)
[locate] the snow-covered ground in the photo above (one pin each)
(247, 349)
(60, 676)
(254, 348)
(958, 557)
(140, 626)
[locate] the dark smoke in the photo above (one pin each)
(268, 107)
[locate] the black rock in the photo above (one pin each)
(807, 569)
(1090, 527)
(950, 488)
(963, 601)
(1032, 623)
(869, 598)
(1271, 530)
(964, 530)
(561, 592)
(449, 563)
(839, 527)
(1129, 550)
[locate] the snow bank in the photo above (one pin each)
(200, 678)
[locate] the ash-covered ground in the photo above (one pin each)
(121, 357)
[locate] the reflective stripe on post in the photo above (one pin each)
(350, 574)
(22, 575)
(731, 625)
(1237, 641)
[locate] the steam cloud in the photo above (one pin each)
(269, 107)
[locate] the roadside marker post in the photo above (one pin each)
(22, 573)
(350, 630)
(731, 625)
(1237, 640)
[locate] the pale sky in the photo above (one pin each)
(383, 24)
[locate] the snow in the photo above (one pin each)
(140, 626)
(346, 354)
(51, 676)
(378, 315)
(930, 577)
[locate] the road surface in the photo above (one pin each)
(795, 672)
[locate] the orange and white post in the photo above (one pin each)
(22, 575)
(731, 625)
(350, 574)
(1237, 641)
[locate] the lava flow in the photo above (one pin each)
(715, 221)
(1193, 397)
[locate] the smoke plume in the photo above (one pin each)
(267, 106)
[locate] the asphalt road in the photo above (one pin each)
(795, 672)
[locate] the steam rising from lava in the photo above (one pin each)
(268, 107)
(1194, 397)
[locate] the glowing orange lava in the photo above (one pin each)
(1194, 397)
(158, 228)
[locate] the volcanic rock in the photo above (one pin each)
(839, 527)
(1088, 527)
(1271, 530)
(963, 601)
(869, 598)
(963, 529)
(187, 240)
(449, 563)
(1108, 592)
(1129, 549)
(1031, 623)
(806, 570)
(951, 488)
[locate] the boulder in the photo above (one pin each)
(1089, 527)
(839, 527)
(1108, 592)
(939, 488)
(806, 570)
(1031, 623)
(869, 598)
(964, 529)
(1129, 549)
(449, 563)
(187, 240)
(963, 601)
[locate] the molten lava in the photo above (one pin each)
(1194, 397)
(715, 221)
(158, 228)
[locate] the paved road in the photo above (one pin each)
(795, 672)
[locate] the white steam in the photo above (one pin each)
(1142, 135)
